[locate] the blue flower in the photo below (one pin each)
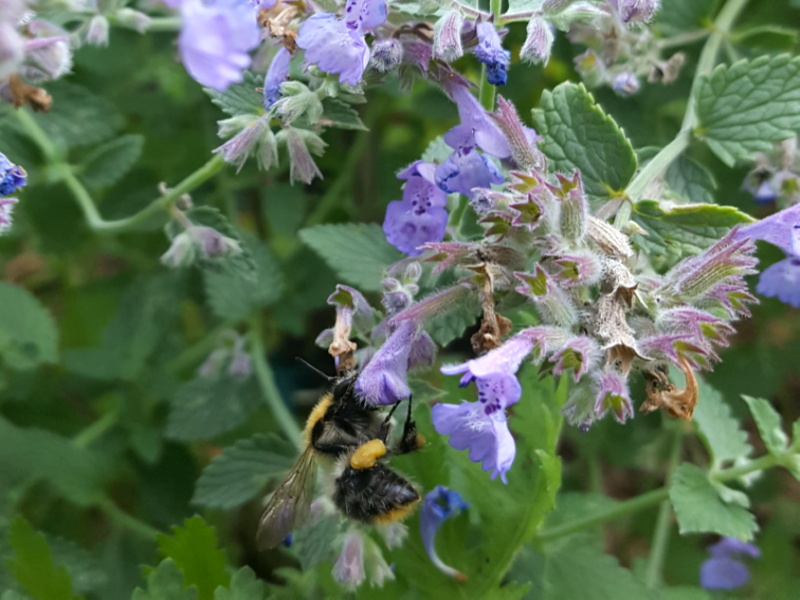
(420, 217)
(276, 74)
(338, 46)
(722, 571)
(465, 168)
(215, 40)
(439, 505)
(383, 380)
(490, 52)
(12, 177)
(781, 280)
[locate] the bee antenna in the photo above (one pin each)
(313, 368)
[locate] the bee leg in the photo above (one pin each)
(412, 439)
(383, 432)
(366, 455)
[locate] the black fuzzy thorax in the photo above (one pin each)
(365, 494)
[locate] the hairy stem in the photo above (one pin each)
(266, 380)
(652, 498)
(127, 521)
(720, 30)
(65, 172)
(487, 91)
(658, 550)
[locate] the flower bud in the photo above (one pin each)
(539, 43)
(447, 36)
(136, 20)
(211, 243)
(349, 567)
(583, 13)
(553, 7)
(97, 31)
(46, 58)
(378, 571)
(386, 54)
(636, 11)
(181, 252)
(241, 366)
(625, 84)
(6, 206)
(302, 166)
(276, 74)
(298, 101)
(236, 150)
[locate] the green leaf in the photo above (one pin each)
(33, 566)
(336, 113)
(577, 570)
(165, 582)
(769, 425)
(699, 509)
(314, 543)
(193, 547)
(206, 407)
(747, 107)
(78, 117)
(242, 470)
(234, 297)
(682, 16)
(146, 309)
(723, 436)
(106, 164)
(76, 473)
(240, 98)
(358, 252)
(766, 38)
(28, 334)
(691, 181)
(244, 586)
(683, 229)
(83, 567)
(579, 135)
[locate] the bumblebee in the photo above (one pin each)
(353, 437)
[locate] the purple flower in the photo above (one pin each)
(465, 168)
(488, 135)
(383, 380)
(490, 52)
(338, 45)
(439, 505)
(635, 11)
(12, 177)
(349, 567)
(420, 217)
(447, 36)
(722, 571)
(481, 426)
(276, 74)
(215, 40)
(539, 43)
(579, 354)
(613, 395)
(781, 280)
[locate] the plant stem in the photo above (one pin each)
(658, 551)
(123, 519)
(654, 497)
(720, 30)
(683, 38)
(95, 429)
(266, 380)
(487, 92)
(65, 172)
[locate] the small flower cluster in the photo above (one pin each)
(230, 356)
(601, 316)
(776, 176)
(12, 177)
(621, 51)
(196, 242)
(724, 570)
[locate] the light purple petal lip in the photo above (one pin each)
(776, 229)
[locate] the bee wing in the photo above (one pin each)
(289, 503)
